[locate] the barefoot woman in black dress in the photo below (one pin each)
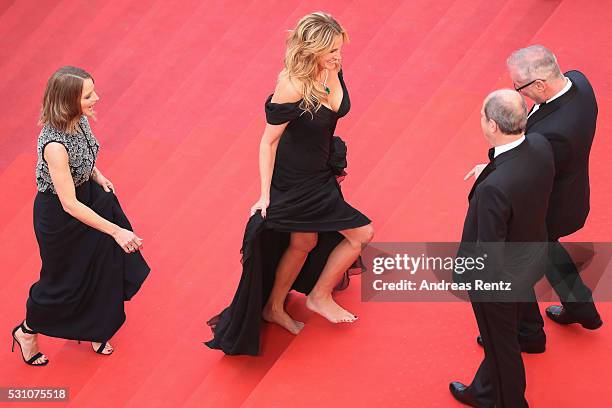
(301, 234)
(90, 257)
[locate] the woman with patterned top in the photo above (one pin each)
(302, 234)
(90, 257)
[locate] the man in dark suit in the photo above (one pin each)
(506, 219)
(565, 112)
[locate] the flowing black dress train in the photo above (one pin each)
(304, 197)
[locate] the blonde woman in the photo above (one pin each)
(90, 257)
(302, 234)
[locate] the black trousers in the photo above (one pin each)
(575, 296)
(500, 379)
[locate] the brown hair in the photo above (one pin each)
(61, 107)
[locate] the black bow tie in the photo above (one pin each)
(491, 154)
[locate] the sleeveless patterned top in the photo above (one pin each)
(82, 149)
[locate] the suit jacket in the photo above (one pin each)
(507, 213)
(568, 123)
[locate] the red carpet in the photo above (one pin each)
(182, 88)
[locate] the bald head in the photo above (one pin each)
(534, 62)
(508, 110)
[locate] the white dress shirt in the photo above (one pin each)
(508, 146)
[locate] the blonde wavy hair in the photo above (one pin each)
(61, 107)
(312, 37)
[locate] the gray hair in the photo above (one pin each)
(534, 62)
(508, 109)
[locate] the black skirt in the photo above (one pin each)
(316, 207)
(85, 276)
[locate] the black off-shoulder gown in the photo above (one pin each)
(304, 197)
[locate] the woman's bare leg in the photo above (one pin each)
(320, 299)
(289, 266)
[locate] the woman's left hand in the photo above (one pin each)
(99, 178)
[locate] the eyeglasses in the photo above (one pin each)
(519, 88)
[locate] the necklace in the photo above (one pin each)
(324, 83)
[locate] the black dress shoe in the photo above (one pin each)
(529, 347)
(459, 391)
(562, 316)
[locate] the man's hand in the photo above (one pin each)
(475, 171)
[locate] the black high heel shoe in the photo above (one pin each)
(100, 349)
(35, 356)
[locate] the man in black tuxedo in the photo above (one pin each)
(507, 209)
(565, 112)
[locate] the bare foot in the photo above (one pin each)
(108, 349)
(29, 346)
(283, 319)
(329, 309)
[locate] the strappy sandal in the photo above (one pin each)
(100, 350)
(35, 356)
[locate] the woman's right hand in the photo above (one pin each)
(262, 205)
(127, 240)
